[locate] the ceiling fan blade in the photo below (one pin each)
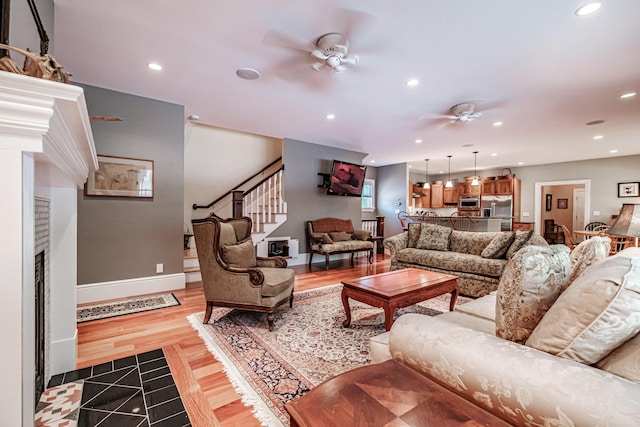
(351, 22)
(281, 38)
(436, 116)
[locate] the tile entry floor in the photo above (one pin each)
(135, 391)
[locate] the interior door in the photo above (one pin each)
(578, 209)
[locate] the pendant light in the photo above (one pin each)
(475, 169)
(449, 184)
(426, 182)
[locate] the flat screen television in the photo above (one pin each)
(346, 179)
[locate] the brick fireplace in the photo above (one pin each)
(46, 154)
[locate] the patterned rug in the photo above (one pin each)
(125, 306)
(308, 345)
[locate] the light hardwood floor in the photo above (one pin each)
(207, 394)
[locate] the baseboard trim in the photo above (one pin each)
(63, 355)
(93, 292)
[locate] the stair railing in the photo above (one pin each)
(195, 206)
(262, 201)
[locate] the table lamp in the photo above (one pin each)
(627, 224)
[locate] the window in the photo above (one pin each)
(368, 195)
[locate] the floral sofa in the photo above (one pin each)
(557, 344)
(477, 258)
(330, 236)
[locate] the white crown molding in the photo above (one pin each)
(49, 119)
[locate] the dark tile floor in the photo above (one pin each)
(134, 391)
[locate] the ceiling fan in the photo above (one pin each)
(106, 119)
(330, 50)
(464, 112)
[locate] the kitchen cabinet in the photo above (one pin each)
(488, 187)
(437, 195)
(522, 226)
(466, 189)
(504, 186)
(450, 196)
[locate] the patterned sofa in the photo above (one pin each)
(330, 236)
(477, 258)
(557, 344)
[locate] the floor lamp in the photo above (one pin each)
(627, 224)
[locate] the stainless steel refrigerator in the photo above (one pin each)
(498, 207)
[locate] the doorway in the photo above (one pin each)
(547, 206)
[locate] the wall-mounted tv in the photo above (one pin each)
(346, 179)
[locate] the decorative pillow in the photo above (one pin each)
(413, 234)
(498, 246)
(361, 234)
(530, 284)
(596, 314)
(624, 361)
(434, 237)
(587, 253)
(537, 240)
(322, 238)
(239, 255)
(340, 236)
(520, 238)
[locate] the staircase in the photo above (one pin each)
(263, 203)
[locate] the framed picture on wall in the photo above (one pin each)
(121, 177)
(629, 189)
(548, 202)
(563, 203)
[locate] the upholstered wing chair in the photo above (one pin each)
(232, 275)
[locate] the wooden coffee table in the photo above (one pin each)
(397, 289)
(385, 394)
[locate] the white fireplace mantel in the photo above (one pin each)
(46, 150)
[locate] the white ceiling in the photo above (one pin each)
(535, 66)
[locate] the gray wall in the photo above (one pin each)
(121, 238)
(305, 201)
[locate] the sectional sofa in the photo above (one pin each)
(557, 344)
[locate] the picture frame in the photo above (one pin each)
(629, 189)
(548, 202)
(563, 203)
(121, 177)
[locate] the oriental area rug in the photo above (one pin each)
(125, 306)
(307, 346)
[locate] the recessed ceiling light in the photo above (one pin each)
(627, 95)
(613, 151)
(494, 154)
(331, 116)
(372, 161)
(194, 117)
(521, 163)
(497, 124)
(410, 166)
(595, 122)
(598, 137)
(154, 66)
(418, 141)
(412, 82)
(588, 8)
(247, 73)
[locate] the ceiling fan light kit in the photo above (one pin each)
(426, 181)
(333, 50)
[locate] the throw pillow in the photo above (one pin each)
(530, 284)
(239, 255)
(596, 314)
(321, 238)
(361, 234)
(587, 253)
(519, 240)
(498, 246)
(434, 237)
(340, 236)
(624, 361)
(413, 234)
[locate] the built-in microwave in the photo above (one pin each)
(469, 203)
